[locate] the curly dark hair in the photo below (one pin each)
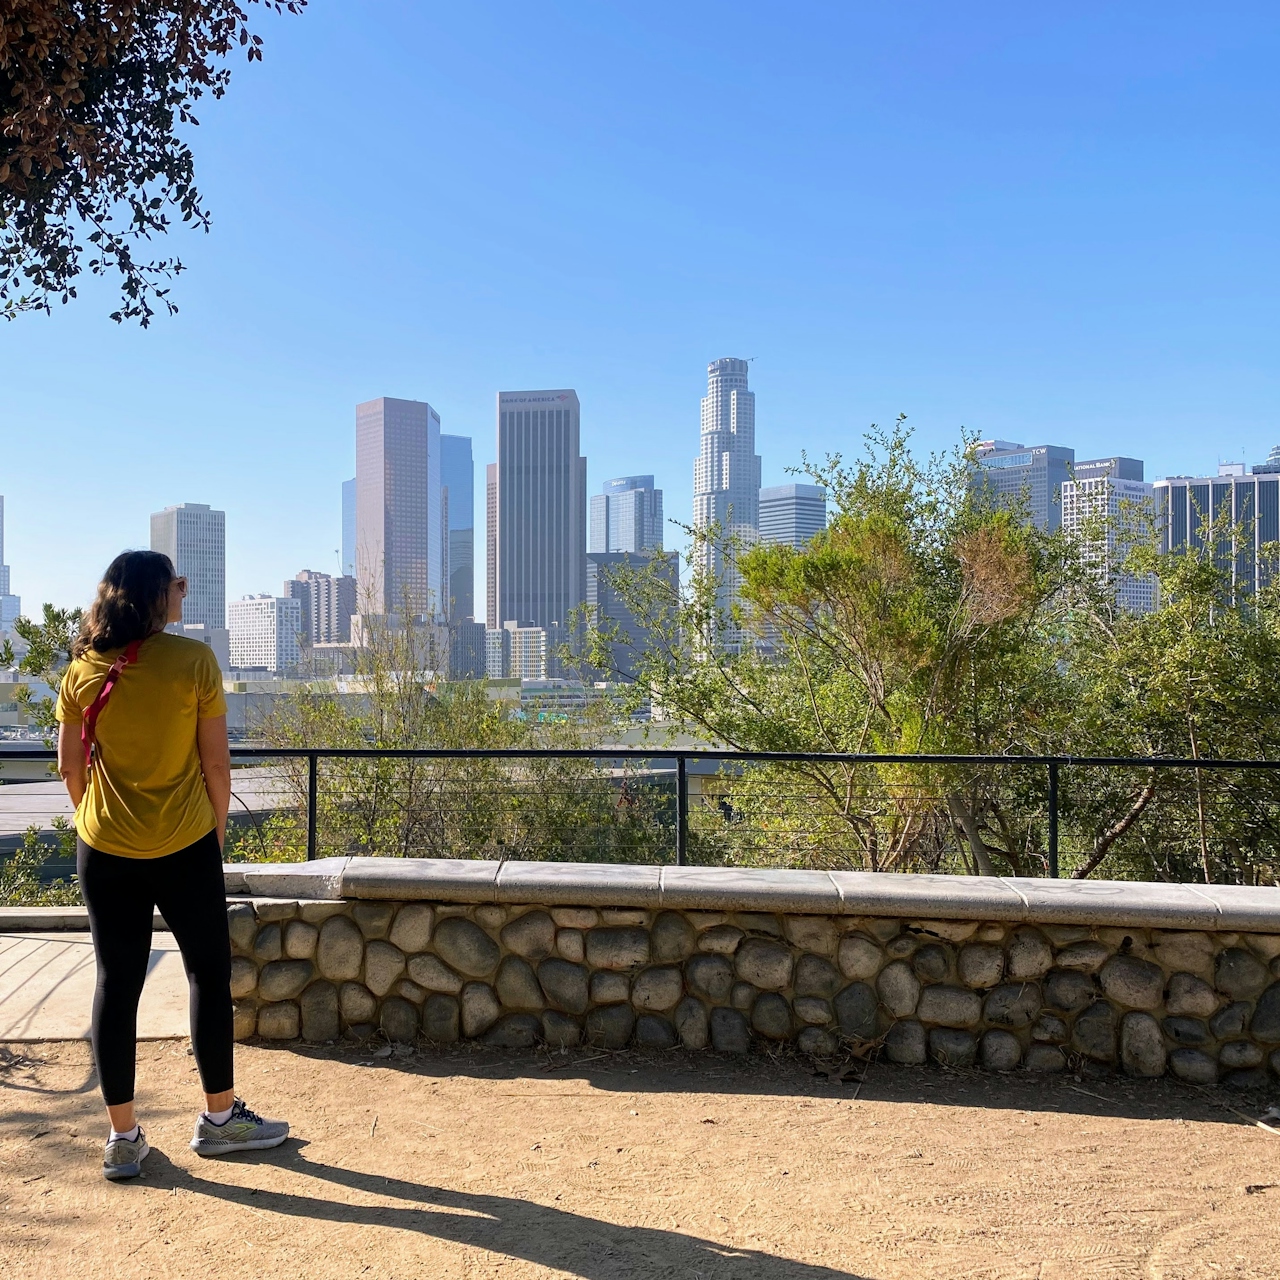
(131, 603)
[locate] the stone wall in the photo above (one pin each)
(1202, 1004)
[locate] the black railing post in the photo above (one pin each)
(311, 806)
(1053, 819)
(682, 813)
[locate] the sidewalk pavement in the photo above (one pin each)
(47, 981)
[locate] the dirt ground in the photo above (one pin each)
(475, 1164)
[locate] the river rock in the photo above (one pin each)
(564, 985)
(340, 951)
(610, 1026)
(279, 1021)
(356, 1003)
(1186, 1031)
(1142, 1050)
(432, 974)
(952, 1048)
(383, 965)
(812, 1011)
(1045, 1057)
(1236, 1054)
(899, 989)
(1015, 1004)
(709, 976)
(980, 965)
(532, 935)
(244, 1019)
(771, 1016)
(515, 1031)
(480, 1008)
(411, 929)
(1266, 1020)
(1137, 984)
(1030, 955)
(759, 922)
(571, 944)
(672, 937)
(1194, 1066)
(811, 933)
(610, 988)
(720, 939)
(817, 1041)
(816, 976)
(575, 917)
(932, 962)
(621, 948)
(658, 989)
(1274, 1060)
(244, 977)
(284, 979)
(268, 946)
(373, 918)
(300, 940)
(1094, 1033)
(1000, 1050)
(561, 1031)
(1084, 957)
(317, 910)
(1068, 990)
(729, 1032)
(1050, 1029)
(410, 990)
(1251, 1079)
(399, 1020)
(517, 986)
(906, 1044)
(467, 948)
(242, 924)
(764, 964)
(1232, 1021)
(856, 1009)
(1238, 974)
(624, 916)
(949, 1006)
(653, 1032)
(692, 1024)
(1190, 996)
(859, 957)
(743, 996)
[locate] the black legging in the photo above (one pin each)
(121, 894)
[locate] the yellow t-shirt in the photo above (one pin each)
(146, 795)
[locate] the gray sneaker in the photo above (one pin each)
(243, 1131)
(123, 1159)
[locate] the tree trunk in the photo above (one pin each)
(1110, 836)
(964, 816)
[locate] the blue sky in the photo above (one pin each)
(1049, 223)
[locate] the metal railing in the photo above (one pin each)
(682, 759)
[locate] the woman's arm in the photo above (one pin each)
(215, 763)
(71, 766)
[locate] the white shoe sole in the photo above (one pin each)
(226, 1149)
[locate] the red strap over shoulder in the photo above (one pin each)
(89, 725)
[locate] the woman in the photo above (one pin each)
(142, 748)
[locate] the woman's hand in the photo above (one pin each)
(71, 766)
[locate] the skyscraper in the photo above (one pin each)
(327, 605)
(540, 495)
(457, 475)
(10, 605)
(1032, 475)
(264, 632)
(194, 537)
(400, 553)
(349, 527)
(792, 514)
(726, 476)
(491, 546)
(611, 613)
(1104, 490)
(626, 516)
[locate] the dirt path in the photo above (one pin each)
(471, 1164)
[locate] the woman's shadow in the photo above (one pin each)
(553, 1238)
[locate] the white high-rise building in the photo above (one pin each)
(528, 651)
(10, 605)
(1103, 491)
(194, 537)
(726, 476)
(264, 632)
(792, 514)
